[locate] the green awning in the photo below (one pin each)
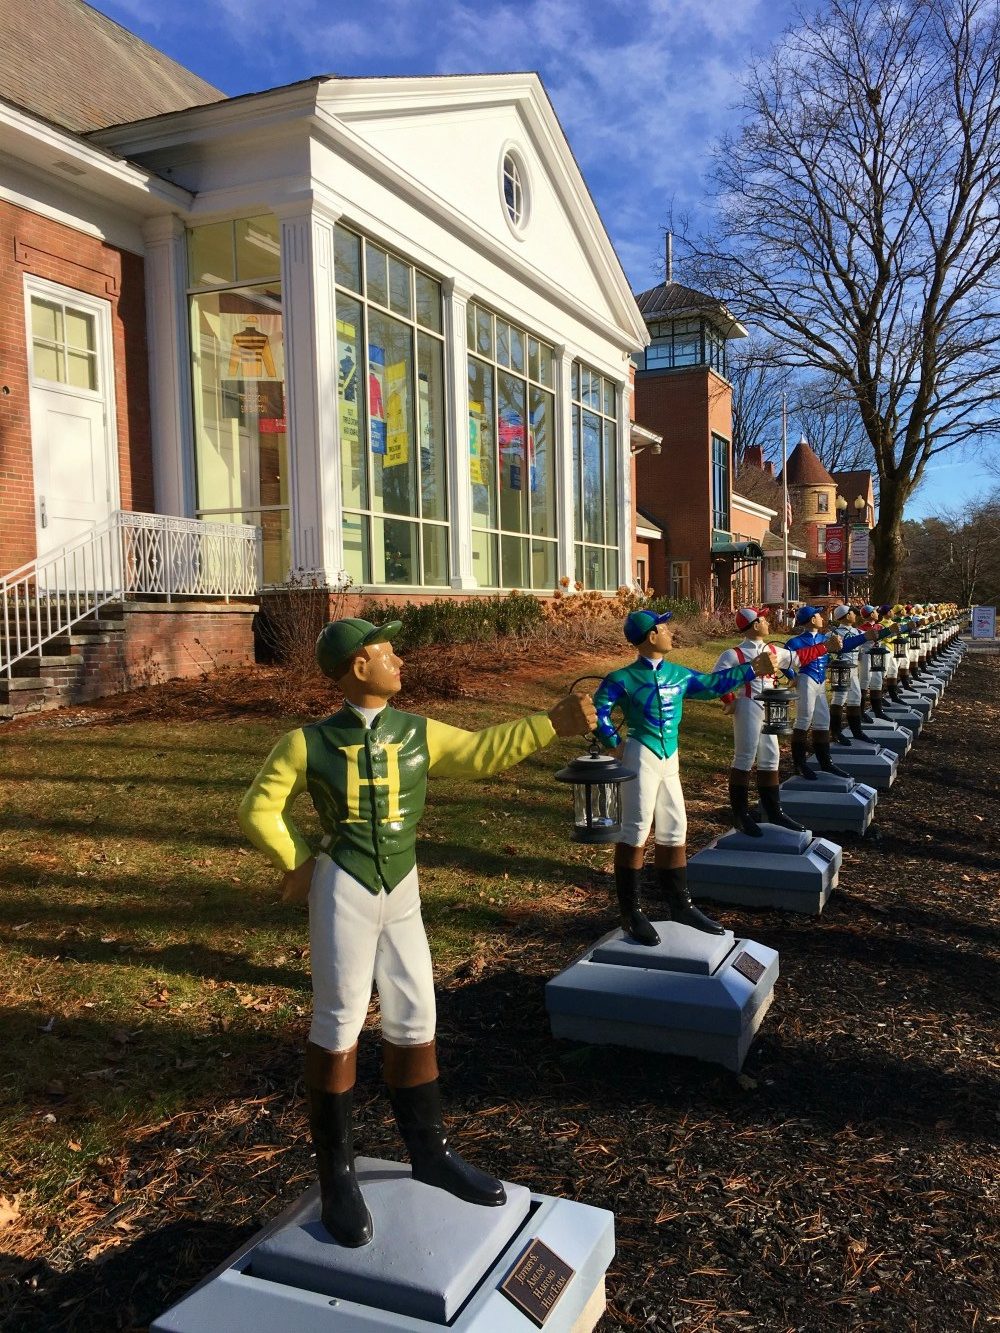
(741, 550)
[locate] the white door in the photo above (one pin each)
(72, 412)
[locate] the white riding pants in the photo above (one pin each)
(358, 939)
(750, 744)
(811, 708)
(655, 796)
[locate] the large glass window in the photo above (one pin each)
(720, 483)
(511, 453)
(679, 343)
(595, 472)
(390, 387)
(238, 381)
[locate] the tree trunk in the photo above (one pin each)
(887, 544)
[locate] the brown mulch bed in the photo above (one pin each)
(847, 1180)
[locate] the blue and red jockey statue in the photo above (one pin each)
(650, 694)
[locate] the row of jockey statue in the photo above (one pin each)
(366, 769)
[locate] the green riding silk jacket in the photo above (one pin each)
(369, 785)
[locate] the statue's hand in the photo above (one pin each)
(295, 883)
(765, 665)
(574, 716)
(871, 635)
(729, 707)
(834, 643)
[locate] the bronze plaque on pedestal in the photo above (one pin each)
(748, 966)
(536, 1282)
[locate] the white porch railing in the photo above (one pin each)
(131, 555)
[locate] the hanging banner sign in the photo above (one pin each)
(835, 548)
(397, 435)
(376, 397)
(860, 542)
(511, 448)
(477, 423)
(984, 622)
(347, 387)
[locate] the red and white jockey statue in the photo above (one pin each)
(746, 706)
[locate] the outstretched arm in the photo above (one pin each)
(454, 753)
(715, 683)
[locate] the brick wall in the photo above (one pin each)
(167, 642)
(33, 244)
(685, 407)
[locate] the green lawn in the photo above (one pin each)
(148, 964)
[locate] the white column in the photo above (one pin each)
(565, 479)
(457, 409)
(308, 301)
(170, 417)
(626, 518)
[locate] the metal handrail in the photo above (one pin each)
(129, 555)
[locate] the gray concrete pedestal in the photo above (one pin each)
(829, 802)
(794, 872)
(865, 761)
(692, 994)
(883, 731)
(435, 1262)
(904, 716)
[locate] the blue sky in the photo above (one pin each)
(642, 87)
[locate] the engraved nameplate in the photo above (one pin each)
(536, 1282)
(748, 966)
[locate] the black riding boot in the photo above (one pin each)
(739, 802)
(331, 1121)
(876, 698)
(421, 1123)
(770, 799)
(854, 722)
(893, 687)
(673, 886)
(837, 725)
(800, 755)
(821, 748)
(633, 921)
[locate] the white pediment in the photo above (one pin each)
(447, 138)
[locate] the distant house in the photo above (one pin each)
(364, 328)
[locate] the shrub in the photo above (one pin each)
(446, 621)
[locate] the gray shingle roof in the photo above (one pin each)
(70, 65)
(671, 299)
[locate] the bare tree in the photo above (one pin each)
(832, 424)
(955, 556)
(860, 225)
(759, 384)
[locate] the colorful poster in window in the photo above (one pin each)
(477, 423)
(250, 355)
(376, 397)
(259, 403)
(347, 387)
(511, 448)
(397, 449)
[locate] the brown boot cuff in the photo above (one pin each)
(409, 1066)
(331, 1071)
(766, 778)
(739, 777)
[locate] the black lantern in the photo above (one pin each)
(915, 639)
(840, 673)
(900, 648)
(597, 806)
(877, 655)
(777, 721)
(925, 638)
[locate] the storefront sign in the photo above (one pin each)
(774, 586)
(834, 548)
(476, 444)
(397, 449)
(984, 622)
